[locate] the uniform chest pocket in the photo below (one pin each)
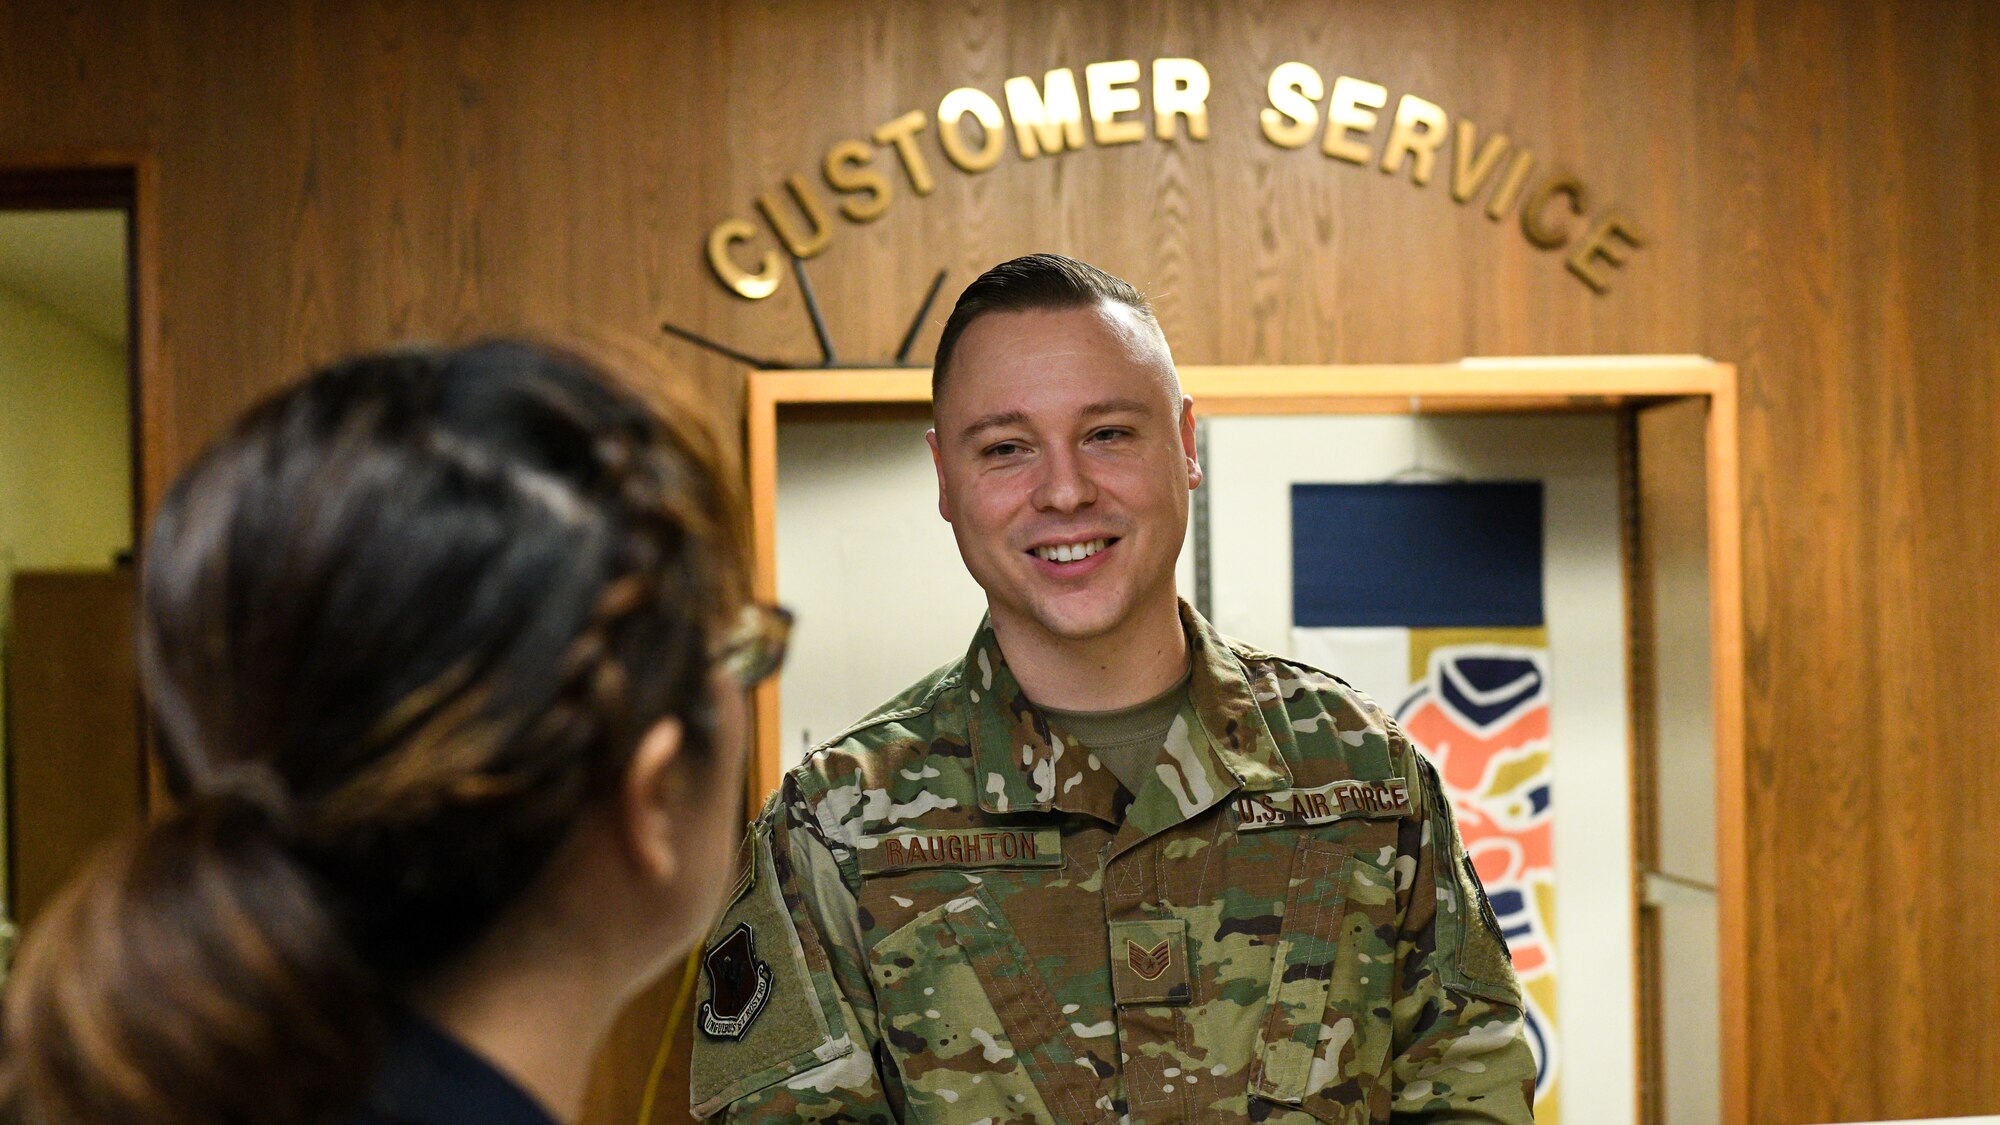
(941, 983)
(1325, 1040)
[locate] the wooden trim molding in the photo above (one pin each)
(761, 449)
(1489, 384)
(1725, 578)
(1641, 760)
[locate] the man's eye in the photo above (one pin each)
(1108, 433)
(1003, 449)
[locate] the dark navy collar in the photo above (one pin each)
(429, 1078)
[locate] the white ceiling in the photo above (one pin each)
(71, 261)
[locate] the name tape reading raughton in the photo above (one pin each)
(962, 847)
(1291, 808)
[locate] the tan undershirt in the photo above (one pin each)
(1129, 739)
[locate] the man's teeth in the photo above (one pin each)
(1071, 552)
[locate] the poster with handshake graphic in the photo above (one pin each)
(1428, 598)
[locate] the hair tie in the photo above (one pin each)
(253, 786)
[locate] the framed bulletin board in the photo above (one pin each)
(1670, 560)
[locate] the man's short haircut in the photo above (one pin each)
(1034, 281)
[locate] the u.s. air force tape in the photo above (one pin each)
(961, 847)
(1295, 808)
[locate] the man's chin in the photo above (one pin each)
(1079, 623)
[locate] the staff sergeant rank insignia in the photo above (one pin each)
(1291, 808)
(738, 985)
(1148, 963)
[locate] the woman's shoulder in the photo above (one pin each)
(427, 1077)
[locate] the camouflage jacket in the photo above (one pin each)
(953, 913)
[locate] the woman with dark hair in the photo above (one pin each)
(447, 652)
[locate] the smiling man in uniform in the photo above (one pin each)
(1110, 866)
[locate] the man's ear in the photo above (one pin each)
(937, 462)
(645, 801)
(1188, 447)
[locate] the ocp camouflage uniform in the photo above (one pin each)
(953, 913)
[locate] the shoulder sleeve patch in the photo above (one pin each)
(763, 1016)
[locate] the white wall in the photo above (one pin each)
(1254, 463)
(869, 567)
(65, 446)
(65, 453)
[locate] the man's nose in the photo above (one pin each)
(1064, 485)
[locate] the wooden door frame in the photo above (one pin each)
(1474, 386)
(110, 180)
(107, 179)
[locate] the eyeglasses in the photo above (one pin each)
(754, 648)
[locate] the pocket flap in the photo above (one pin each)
(1308, 942)
(1331, 978)
(1149, 963)
(971, 1023)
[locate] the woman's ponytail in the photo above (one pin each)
(193, 975)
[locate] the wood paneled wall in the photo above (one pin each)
(1816, 184)
(75, 772)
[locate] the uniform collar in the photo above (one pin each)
(1219, 744)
